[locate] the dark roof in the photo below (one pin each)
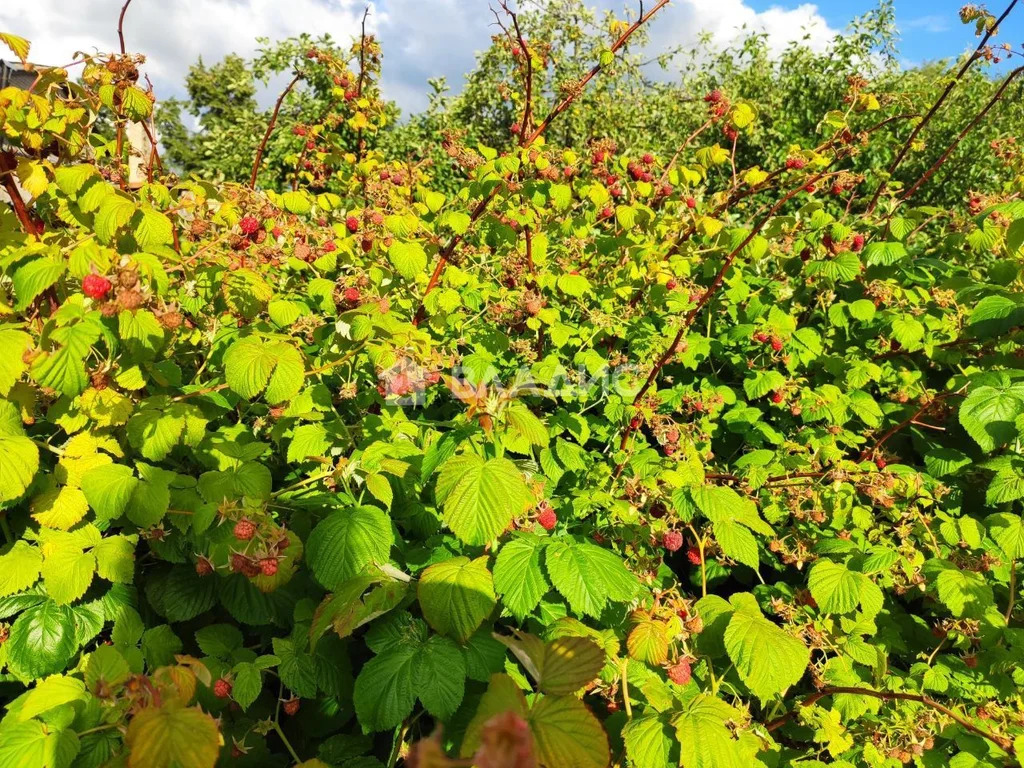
(12, 73)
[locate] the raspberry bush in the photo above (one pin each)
(608, 458)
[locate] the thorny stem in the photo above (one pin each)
(967, 129)
(446, 253)
(935, 108)
(270, 129)
(120, 26)
(867, 453)
(1001, 741)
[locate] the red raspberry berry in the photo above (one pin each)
(810, 189)
(515, 128)
(298, 130)
(547, 519)
(366, 245)
(776, 343)
(268, 566)
(657, 510)
(222, 688)
(857, 244)
(203, 566)
(634, 423)
(679, 673)
(249, 225)
(671, 285)
(760, 337)
(352, 295)
(693, 555)
(691, 202)
(795, 163)
(597, 157)
(352, 223)
(971, 661)
(607, 212)
(278, 231)
(713, 97)
(647, 159)
(244, 530)
(330, 247)
(238, 563)
(672, 436)
(880, 462)
(777, 397)
(291, 706)
(95, 286)
(672, 541)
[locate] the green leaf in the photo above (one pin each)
(115, 558)
(172, 736)
(34, 744)
(965, 593)
(518, 576)
(385, 689)
(768, 659)
(988, 414)
(154, 228)
(1005, 529)
(649, 742)
(408, 258)
(297, 669)
(42, 641)
(253, 365)
(567, 734)
(19, 568)
(440, 676)
(884, 253)
(106, 669)
(53, 692)
(108, 489)
(19, 465)
(587, 576)
(221, 640)
(480, 497)
(737, 542)
(14, 343)
(247, 685)
(456, 596)
(67, 572)
(834, 587)
(33, 278)
(114, 213)
(346, 541)
(705, 738)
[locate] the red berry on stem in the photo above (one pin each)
(857, 244)
(693, 555)
(95, 286)
(679, 673)
(352, 295)
(222, 688)
(691, 202)
(672, 541)
(291, 706)
(776, 343)
(244, 530)
(547, 519)
(880, 462)
(777, 397)
(268, 565)
(249, 225)
(352, 223)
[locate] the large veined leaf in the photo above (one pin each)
(834, 587)
(34, 744)
(649, 742)
(67, 571)
(33, 278)
(560, 667)
(19, 568)
(42, 641)
(588, 575)
(385, 690)
(768, 659)
(480, 497)
(1008, 532)
(108, 489)
(989, 414)
(705, 739)
(518, 576)
(567, 734)
(172, 736)
(254, 365)
(19, 465)
(346, 541)
(440, 676)
(456, 596)
(12, 365)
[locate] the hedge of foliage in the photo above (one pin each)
(611, 457)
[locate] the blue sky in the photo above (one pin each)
(430, 38)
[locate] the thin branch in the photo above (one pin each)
(8, 165)
(1001, 741)
(670, 351)
(960, 137)
(360, 139)
(571, 97)
(935, 108)
(446, 253)
(867, 453)
(120, 26)
(528, 87)
(270, 129)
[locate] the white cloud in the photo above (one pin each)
(934, 23)
(421, 38)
